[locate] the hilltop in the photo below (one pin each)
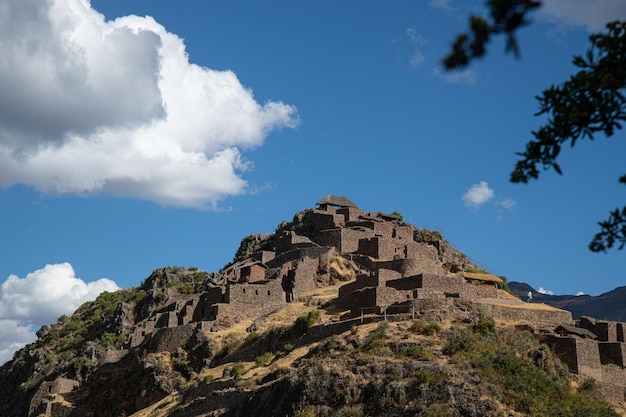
(338, 312)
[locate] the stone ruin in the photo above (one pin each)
(394, 270)
(47, 399)
(595, 349)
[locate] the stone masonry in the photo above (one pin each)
(602, 357)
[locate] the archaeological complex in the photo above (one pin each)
(387, 266)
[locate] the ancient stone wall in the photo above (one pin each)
(589, 358)
(612, 353)
(48, 388)
(566, 349)
(345, 240)
(384, 275)
(370, 247)
(605, 330)
(412, 266)
(185, 315)
(296, 254)
(252, 273)
(290, 240)
(264, 256)
(167, 319)
(306, 273)
(170, 338)
(345, 298)
(478, 290)
(581, 356)
(541, 318)
(615, 376)
(406, 283)
(450, 284)
(322, 220)
(386, 296)
(256, 299)
(211, 296)
(350, 213)
(110, 356)
(363, 298)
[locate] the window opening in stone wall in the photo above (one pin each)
(244, 290)
(256, 292)
(268, 292)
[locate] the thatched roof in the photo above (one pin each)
(481, 277)
(335, 200)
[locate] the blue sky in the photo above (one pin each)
(146, 133)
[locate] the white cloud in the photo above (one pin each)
(442, 5)
(477, 195)
(592, 14)
(456, 76)
(40, 298)
(542, 290)
(90, 105)
(417, 57)
(579, 293)
(13, 336)
(507, 204)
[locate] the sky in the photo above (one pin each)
(148, 133)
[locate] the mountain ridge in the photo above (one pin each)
(607, 306)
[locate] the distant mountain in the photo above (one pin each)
(607, 306)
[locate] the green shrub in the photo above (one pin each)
(484, 326)
(431, 328)
(288, 347)
(351, 411)
(108, 339)
(376, 340)
(136, 295)
(302, 323)
(187, 288)
(458, 341)
(237, 370)
(250, 339)
(264, 359)
(416, 352)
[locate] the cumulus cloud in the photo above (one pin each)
(90, 105)
(542, 290)
(592, 14)
(40, 298)
(477, 195)
(579, 293)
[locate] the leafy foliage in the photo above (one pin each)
(507, 16)
(591, 101)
